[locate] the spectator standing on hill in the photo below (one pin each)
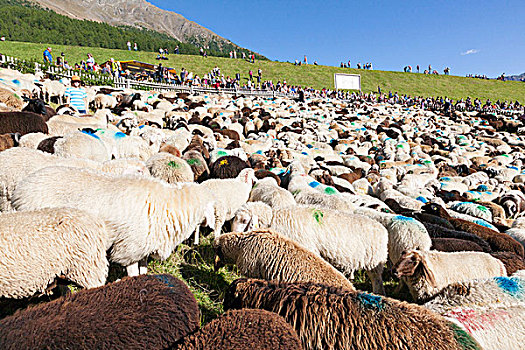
(115, 68)
(90, 62)
(348, 63)
(48, 58)
(259, 73)
(250, 73)
(243, 55)
(177, 49)
(238, 77)
(305, 60)
(135, 47)
(129, 45)
(417, 67)
(76, 95)
(234, 54)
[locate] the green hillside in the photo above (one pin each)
(313, 76)
(23, 21)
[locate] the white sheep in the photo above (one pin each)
(82, 145)
(102, 101)
(144, 216)
(32, 140)
(169, 168)
(230, 194)
(404, 233)
(480, 293)
(18, 162)
(38, 246)
(359, 243)
(427, 272)
(517, 231)
(63, 124)
(267, 191)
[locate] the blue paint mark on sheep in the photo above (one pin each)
(140, 127)
(482, 188)
(510, 285)
(258, 152)
(483, 223)
(164, 279)
(402, 218)
(304, 153)
(119, 135)
(370, 301)
(314, 184)
(422, 199)
(309, 146)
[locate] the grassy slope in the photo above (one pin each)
(314, 76)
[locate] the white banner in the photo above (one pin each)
(347, 81)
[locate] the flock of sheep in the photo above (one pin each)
(298, 195)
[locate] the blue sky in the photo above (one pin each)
(479, 37)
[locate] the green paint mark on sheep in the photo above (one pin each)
(173, 164)
(330, 190)
(296, 192)
(222, 153)
(464, 340)
(318, 216)
(193, 161)
(482, 208)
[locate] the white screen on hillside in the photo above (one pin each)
(347, 81)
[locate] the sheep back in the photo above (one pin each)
(241, 329)
(169, 168)
(332, 318)
(22, 123)
(37, 246)
(267, 255)
(145, 312)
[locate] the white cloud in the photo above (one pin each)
(470, 52)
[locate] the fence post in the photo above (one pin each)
(128, 83)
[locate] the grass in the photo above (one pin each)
(317, 77)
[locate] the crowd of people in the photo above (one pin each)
(215, 79)
(348, 64)
(429, 70)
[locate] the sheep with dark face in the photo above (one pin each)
(240, 329)
(38, 106)
(498, 241)
(146, 312)
(333, 318)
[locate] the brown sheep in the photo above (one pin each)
(267, 255)
(198, 165)
(498, 241)
(11, 99)
(145, 312)
(8, 141)
(333, 318)
(231, 134)
(22, 123)
(454, 245)
(242, 329)
(511, 261)
(196, 144)
(261, 174)
(170, 149)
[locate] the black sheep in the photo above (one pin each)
(511, 261)
(227, 167)
(242, 329)
(38, 106)
(145, 312)
(22, 123)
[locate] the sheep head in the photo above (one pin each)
(413, 264)
(247, 176)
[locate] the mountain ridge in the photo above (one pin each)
(140, 13)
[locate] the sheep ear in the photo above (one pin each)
(427, 273)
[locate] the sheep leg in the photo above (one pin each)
(143, 266)
(133, 269)
(376, 277)
(197, 231)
